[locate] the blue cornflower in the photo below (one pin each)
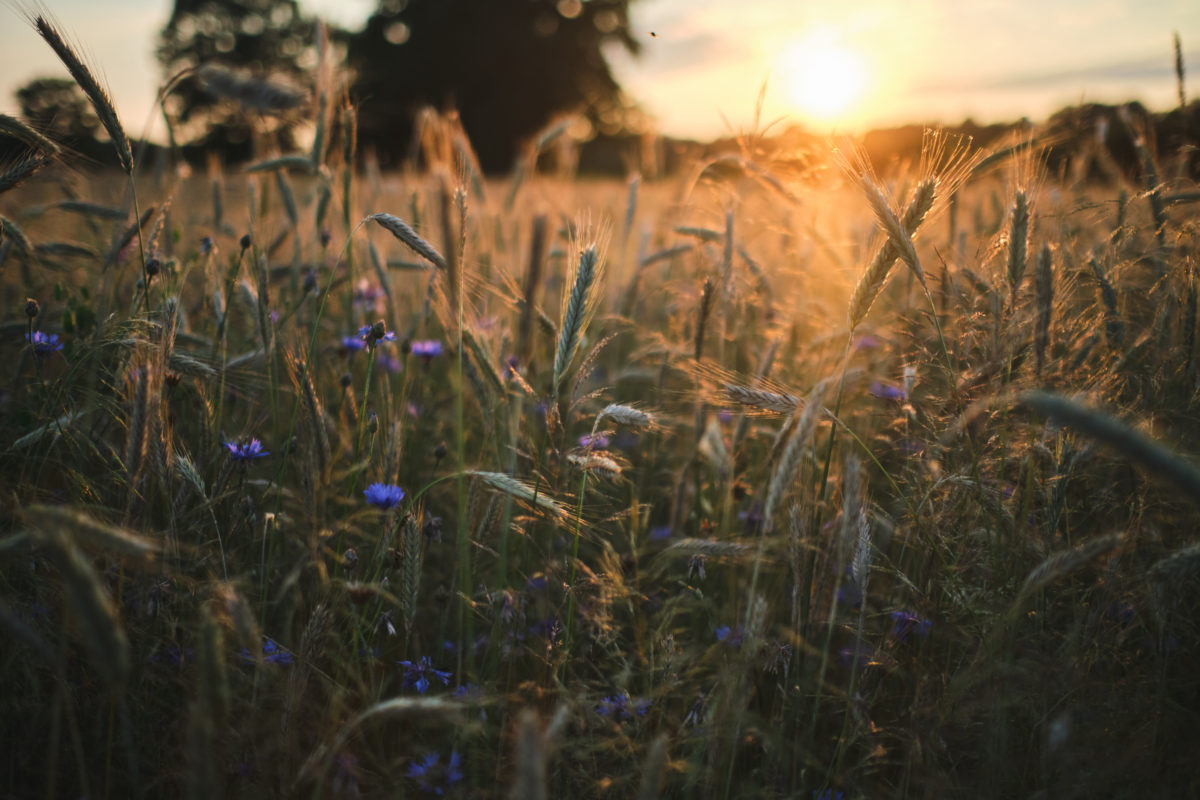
(886, 391)
(374, 334)
(352, 344)
(44, 343)
(660, 533)
(272, 653)
(906, 622)
(416, 674)
(246, 452)
(596, 442)
(730, 636)
(827, 794)
(423, 771)
(427, 348)
(620, 706)
(275, 654)
(384, 495)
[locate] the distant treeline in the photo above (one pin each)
(1093, 142)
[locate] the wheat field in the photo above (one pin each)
(783, 476)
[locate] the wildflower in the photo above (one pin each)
(352, 344)
(426, 349)
(866, 342)
(44, 343)
(906, 622)
(751, 518)
(206, 245)
(275, 654)
(425, 771)
(271, 653)
(246, 452)
(417, 674)
(828, 794)
(246, 241)
(621, 706)
(596, 442)
(383, 495)
(660, 533)
(730, 636)
(374, 334)
(886, 391)
(31, 307)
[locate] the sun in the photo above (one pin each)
(823, 78)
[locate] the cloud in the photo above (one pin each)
(1125, 71)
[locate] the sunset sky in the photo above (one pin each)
(828, 65)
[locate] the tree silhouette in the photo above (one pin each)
(506, 66)
(226, 49)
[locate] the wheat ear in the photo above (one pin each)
(91, 87)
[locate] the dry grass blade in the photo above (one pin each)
(422, 708)
(1065, 562)
(97, 621)
(654, 769)
(790, 458)
(1136, 446)
(530, 759)
(87, 531)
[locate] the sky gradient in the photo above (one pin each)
(701, 71)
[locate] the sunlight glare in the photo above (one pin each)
(823, 77)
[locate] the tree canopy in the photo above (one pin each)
(506, 66)
(224, 50)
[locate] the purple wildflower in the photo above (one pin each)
(417, 674)
(660, 533)
(828, 794)
(886, 391)
(374, 334)
(383, 495)
(272, 653)
(597, 442)
(352, 344)
(621, 706)
(906, 622)
(425, 772)
(730, 636)
(246, 452)
(44, 344)
(427, 348)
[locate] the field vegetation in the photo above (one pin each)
(780, 477)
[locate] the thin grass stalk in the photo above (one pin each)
(1018, 244)
(1044, 287)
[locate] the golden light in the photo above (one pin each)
(822, 77)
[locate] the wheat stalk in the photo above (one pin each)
(1136, 446)
(578, 307)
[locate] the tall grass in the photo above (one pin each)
(434, 538)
